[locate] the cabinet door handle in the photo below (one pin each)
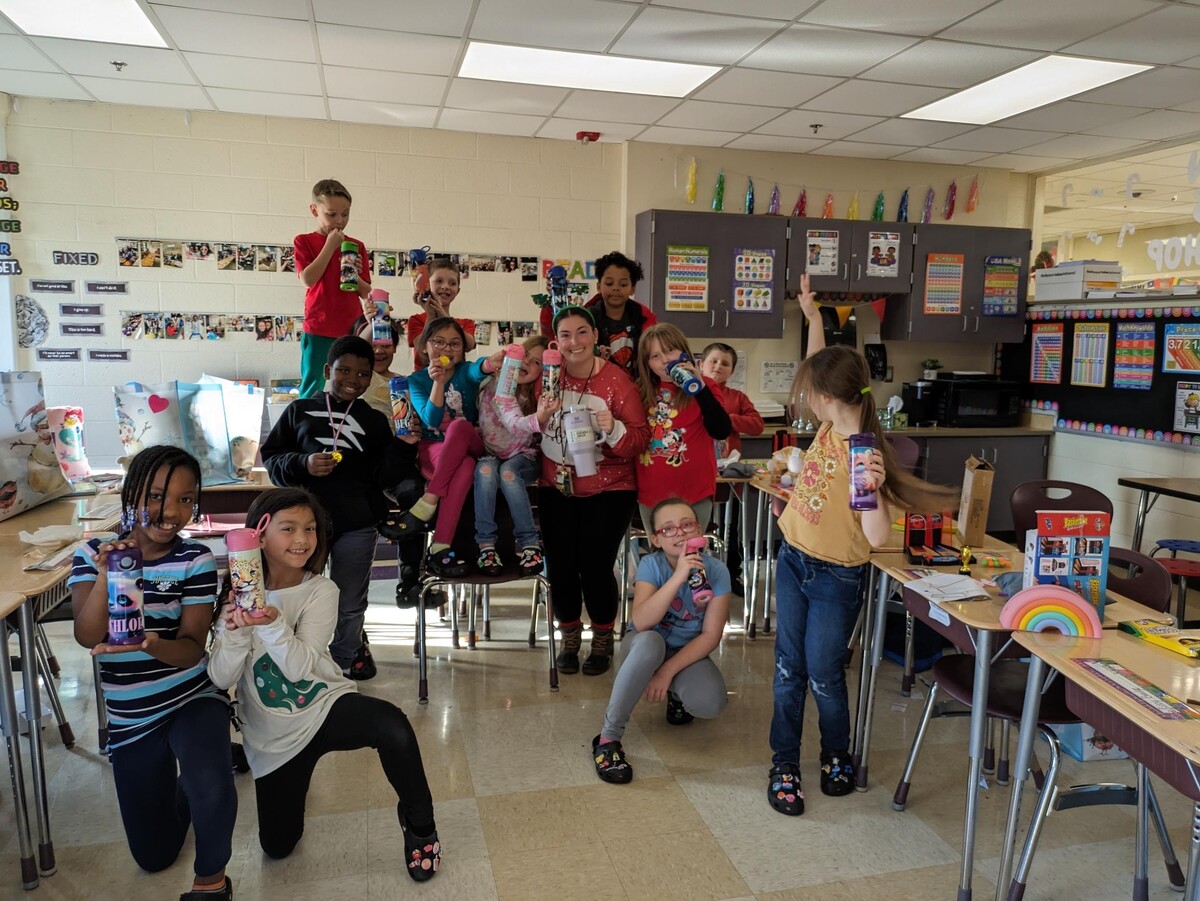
(964, 328)
(845, 272)
(726, 319)
(712, 322)
(977, 325)
(859, 276)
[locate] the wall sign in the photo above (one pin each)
(72, 258)
(58, 355)
(89, 329)
(81, 309)
(10, 225)
(106, 287)
(7, 203)
(1181, 347)
(10, 167)
(108, 356)
(41, 286)
(10, 267)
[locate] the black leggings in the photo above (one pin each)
(354, 721)
(582, 536)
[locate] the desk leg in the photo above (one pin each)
(983, 660)
(770, 565)
(33, 706)
(1139, 522)
(864, 669)
(747, 557)
(1025, 738)
(1141, 857)
(760, 506)
(876, 650)
(1192, 890)
(12, 739)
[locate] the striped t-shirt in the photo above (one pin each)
(140, 692)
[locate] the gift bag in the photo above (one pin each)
(29, 470)
(181, 414)
(66, 431)
(244, 409)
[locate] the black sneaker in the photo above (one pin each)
(489, 562)
(226, 894)
(363, 666)
(445, 565)
(677, 714)
(240, 763)
(423, 855)
(837, 773)
(611, 765)
(783, 790)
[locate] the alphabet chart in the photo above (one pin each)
(1045, 366)
(1089, 356)
(944, 284)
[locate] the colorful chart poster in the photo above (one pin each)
(753, 274)
(687, 279)
(1181, 347)
(883, 260)
(822, 253)
(1134, 355)
(943, 284)
(1001, 278)
(1089, 355)
(1187, 406)
(1045, 365)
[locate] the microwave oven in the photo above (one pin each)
(967, 403)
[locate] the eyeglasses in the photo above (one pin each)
(687, 527)
(439, 344)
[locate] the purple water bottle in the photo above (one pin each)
(125, 622)
(702, 591)
(862, 481)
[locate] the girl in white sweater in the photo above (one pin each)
(294, 703)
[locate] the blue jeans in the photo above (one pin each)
(350, 557)
(816, 606)
(512, 477)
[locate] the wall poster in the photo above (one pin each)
(753, 273)
(883, 261)
(822, 251)
(687, 279)
(1089, 355)
(1001, 280)
(1045, 364)
(1134, 355)
(1187, 406)
(944, 284)
(1181, 347)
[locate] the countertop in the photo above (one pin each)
(943, 432)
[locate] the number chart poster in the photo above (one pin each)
(1089, 355)
(1134, 355)
(1181, 347)
(1001, 278)
(1187, 406)
(1045, 366)
(687, 279)
(753, 273)
(944, 284)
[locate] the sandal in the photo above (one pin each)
(445, 565)
(423, 855)
(611, 765)
(531, 561)
(837, 773)
(404, 527)
(489, 562)
(783, 790)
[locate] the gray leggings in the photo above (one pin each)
(699, 685)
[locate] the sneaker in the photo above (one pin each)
(489, 562)
(837, 773)
(226, 894)
(531, 561)
(567, 660)
(599, 658)
(783, 790)
(363, 667)
(240, 763)
(677, 714)
(445, 564)
(423, 855)
(611, 765)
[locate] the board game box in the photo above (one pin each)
(1070, 548)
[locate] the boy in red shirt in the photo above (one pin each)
(328, 310)
(444, 285)
(717, 362)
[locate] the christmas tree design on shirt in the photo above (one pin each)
(276, 691)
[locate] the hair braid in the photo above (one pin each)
(141, 473)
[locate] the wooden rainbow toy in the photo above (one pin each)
(1050, 608)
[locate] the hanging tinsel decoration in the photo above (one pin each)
(691, 181)
(852, 209)
(951, 196)
(773, 203)
(750, 195)
(827, 210)
(902, 209)
(877, 211)
(927, 209)
(973, 195)
(718, 201)
(801, 207)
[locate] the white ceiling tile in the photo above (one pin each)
(767, 9)
(1193, 107)
(798, 124)
(489, 123)
(390, 87)
(1157, 125)
(879, 98)
(40, 84)
(503, 97)
(1029, 23)
(1165, 36)
(449, 19)
(777, 143)
(936, 155)
(949, 64)
(5, 28)
(660, 134)
(233, 35)
(264, 103)
(375, 113)
(720, 116)
(561, 24)
(910, 17)
(995, 139)
(1193, 63)
(566, 129)
(769, 88)
(1156, 89)
(864, 151)
(91, 58)
(911, 131)
(145, 93)
(1071, 115)
(814, 50)
(391, 50)
(691, 37)
(270, 75)
(281, 9)
(18, 53)
(613, 107)
(1022, 163)
(1080, 146)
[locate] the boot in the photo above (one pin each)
(567, 660)
(599, 659)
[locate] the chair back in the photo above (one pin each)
(1150, 583)
(1029, 497)
(906, 451)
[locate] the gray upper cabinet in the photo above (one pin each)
(870, 257)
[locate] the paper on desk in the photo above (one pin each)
(41, 559)
(102, 511)
(942, 588)
(52, 536)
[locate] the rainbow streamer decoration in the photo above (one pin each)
(1050, 608)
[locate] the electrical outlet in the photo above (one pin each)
(891, 371)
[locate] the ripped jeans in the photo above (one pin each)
(512, 478)
(816, 606)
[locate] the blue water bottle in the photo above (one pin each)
(689, 383)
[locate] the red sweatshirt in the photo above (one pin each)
(743, 416)
(680, 460)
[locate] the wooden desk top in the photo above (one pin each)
(62, 512)
(1173, 673)
(764, 483)
(10, 601)
(12, 549)
(1187, 489)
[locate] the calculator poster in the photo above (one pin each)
(1181, 347)
(753, 275)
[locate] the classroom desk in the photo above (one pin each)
(235, 497)
(1168, 748)
(764, 488)
(11, 602)
(1184, 489)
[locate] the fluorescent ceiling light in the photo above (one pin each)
(1026, 88)
(590, 71)
(106, 21)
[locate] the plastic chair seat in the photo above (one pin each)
(1177, 545)
(955, 675)
(1189, 569)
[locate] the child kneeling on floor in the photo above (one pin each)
(677, 623)
(296, 705)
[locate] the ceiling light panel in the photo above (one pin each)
(106, 21)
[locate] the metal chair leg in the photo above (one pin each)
(1002, 767)
(900, 798)
(1170, 861)
(989, 748)
(44, 643)
(1045, 804)
(544, 585)
(472, 602)
(455, 594)
(422, 650)
(533, 618)
(101, 709)
(64, 727)
(910, 657)
(487, 612)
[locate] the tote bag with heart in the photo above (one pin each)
(181, 414)
(29, 470)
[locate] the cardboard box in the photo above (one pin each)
(1084, 743)
(1073, 282)
(975, 501)
(1070, 548)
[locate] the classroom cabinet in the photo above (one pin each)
(849, 256)
(714, 275)
(1015, 458)
(911, 318)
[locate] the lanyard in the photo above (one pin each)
(336, 454)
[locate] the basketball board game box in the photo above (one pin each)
(923, 539)
(1070, 548)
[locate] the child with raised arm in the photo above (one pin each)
(295, 703)
(444, 285)
(680, 607)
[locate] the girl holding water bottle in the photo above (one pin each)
(168, 738)
(588, 487)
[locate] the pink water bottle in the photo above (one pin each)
(246, 568)
(552, 372)
(510, 369)
(697, 581)
(862, 481)
(125, 620)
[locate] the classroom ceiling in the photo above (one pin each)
(851, 66)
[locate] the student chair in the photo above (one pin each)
(1179, 568)
(1029, 497)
